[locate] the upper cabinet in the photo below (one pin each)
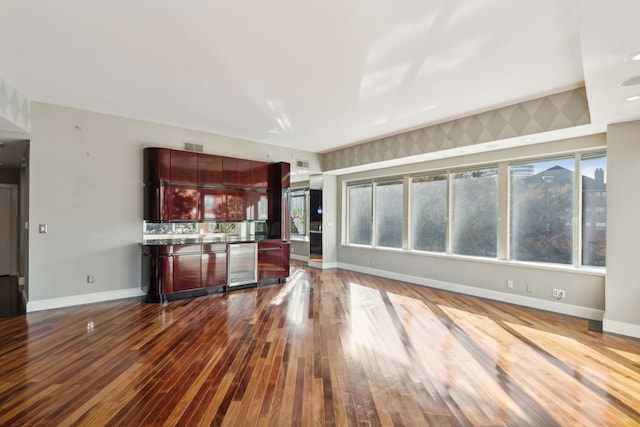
(184, 167)
(184, 185)
(209, 170)
(157, 165)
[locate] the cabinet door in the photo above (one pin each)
(214, 269)
(157, 165)
(269, 261)
(212, 205)
(261, 206)
(235, 205)
(260, 175)
(157, 203)
(187, 272)
(185, 202)
(229, 171)
(244, 174)
(184, 167)
(209, 169)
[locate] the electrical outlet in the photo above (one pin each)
(510, 284)
(559, 293)
(90, 278)
(529, 288)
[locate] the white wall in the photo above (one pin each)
(86, 186)
(485, 277)
(622, 314)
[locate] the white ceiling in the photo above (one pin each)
(318, 76)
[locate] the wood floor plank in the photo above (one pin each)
(327, 348)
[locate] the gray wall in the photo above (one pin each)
(85, 180)
(477, 276)
(623, 230)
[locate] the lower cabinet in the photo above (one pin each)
(185, 270)
(273, 260)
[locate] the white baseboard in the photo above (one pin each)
(323, 265)
(621, 328)
(47, 304)
(540, 304)
(299, 257)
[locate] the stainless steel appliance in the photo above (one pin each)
(242, 264)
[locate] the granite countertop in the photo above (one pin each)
(201, 240)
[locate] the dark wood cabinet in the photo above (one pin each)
(187, 272)
(260, 175)
(157, 165)
(213, 206)
(209, 170)
(187, 186)
(229, 171)
(185, 204)
(244, 176)
(184, 167)
(273, 260)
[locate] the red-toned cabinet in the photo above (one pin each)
(184, 167)
(229, 171)
(209, 170)
(187, 273)
(260, 175)
(185, 204)
(213, 205)
(273, 260)
(244, 175)
(157, 165)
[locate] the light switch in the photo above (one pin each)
(42, 228)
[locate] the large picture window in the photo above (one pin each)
(542, 211)
(388, 213)
(428, 220)
(474, 212)
(360, 214)
(594, 210)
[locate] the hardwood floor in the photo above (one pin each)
(326, 348)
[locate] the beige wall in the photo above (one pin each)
(86, 185)
(477, 276)
(623, 230)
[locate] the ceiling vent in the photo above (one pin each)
(192, 146)
(302, 164)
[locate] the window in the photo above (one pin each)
(474, 212)
(360, 199)
(594, 210)
(542, 211)
(428, 218)
(388, 213)
(298, 208)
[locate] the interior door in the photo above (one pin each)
(8, 231)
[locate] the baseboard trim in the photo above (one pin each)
(620, 328)
(323, 265)
(50, 303)
(299, 257)
(553, 306)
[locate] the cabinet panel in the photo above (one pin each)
(157, 203)
(260, 175)
(185, 203)
(214, 269)
(269, 260)
(184, 167)
(213, 205)
(229, 171)
(209, 169)
(157, 165)
(235, 205)
(187, 272)
(261, 206)
(244, 179)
